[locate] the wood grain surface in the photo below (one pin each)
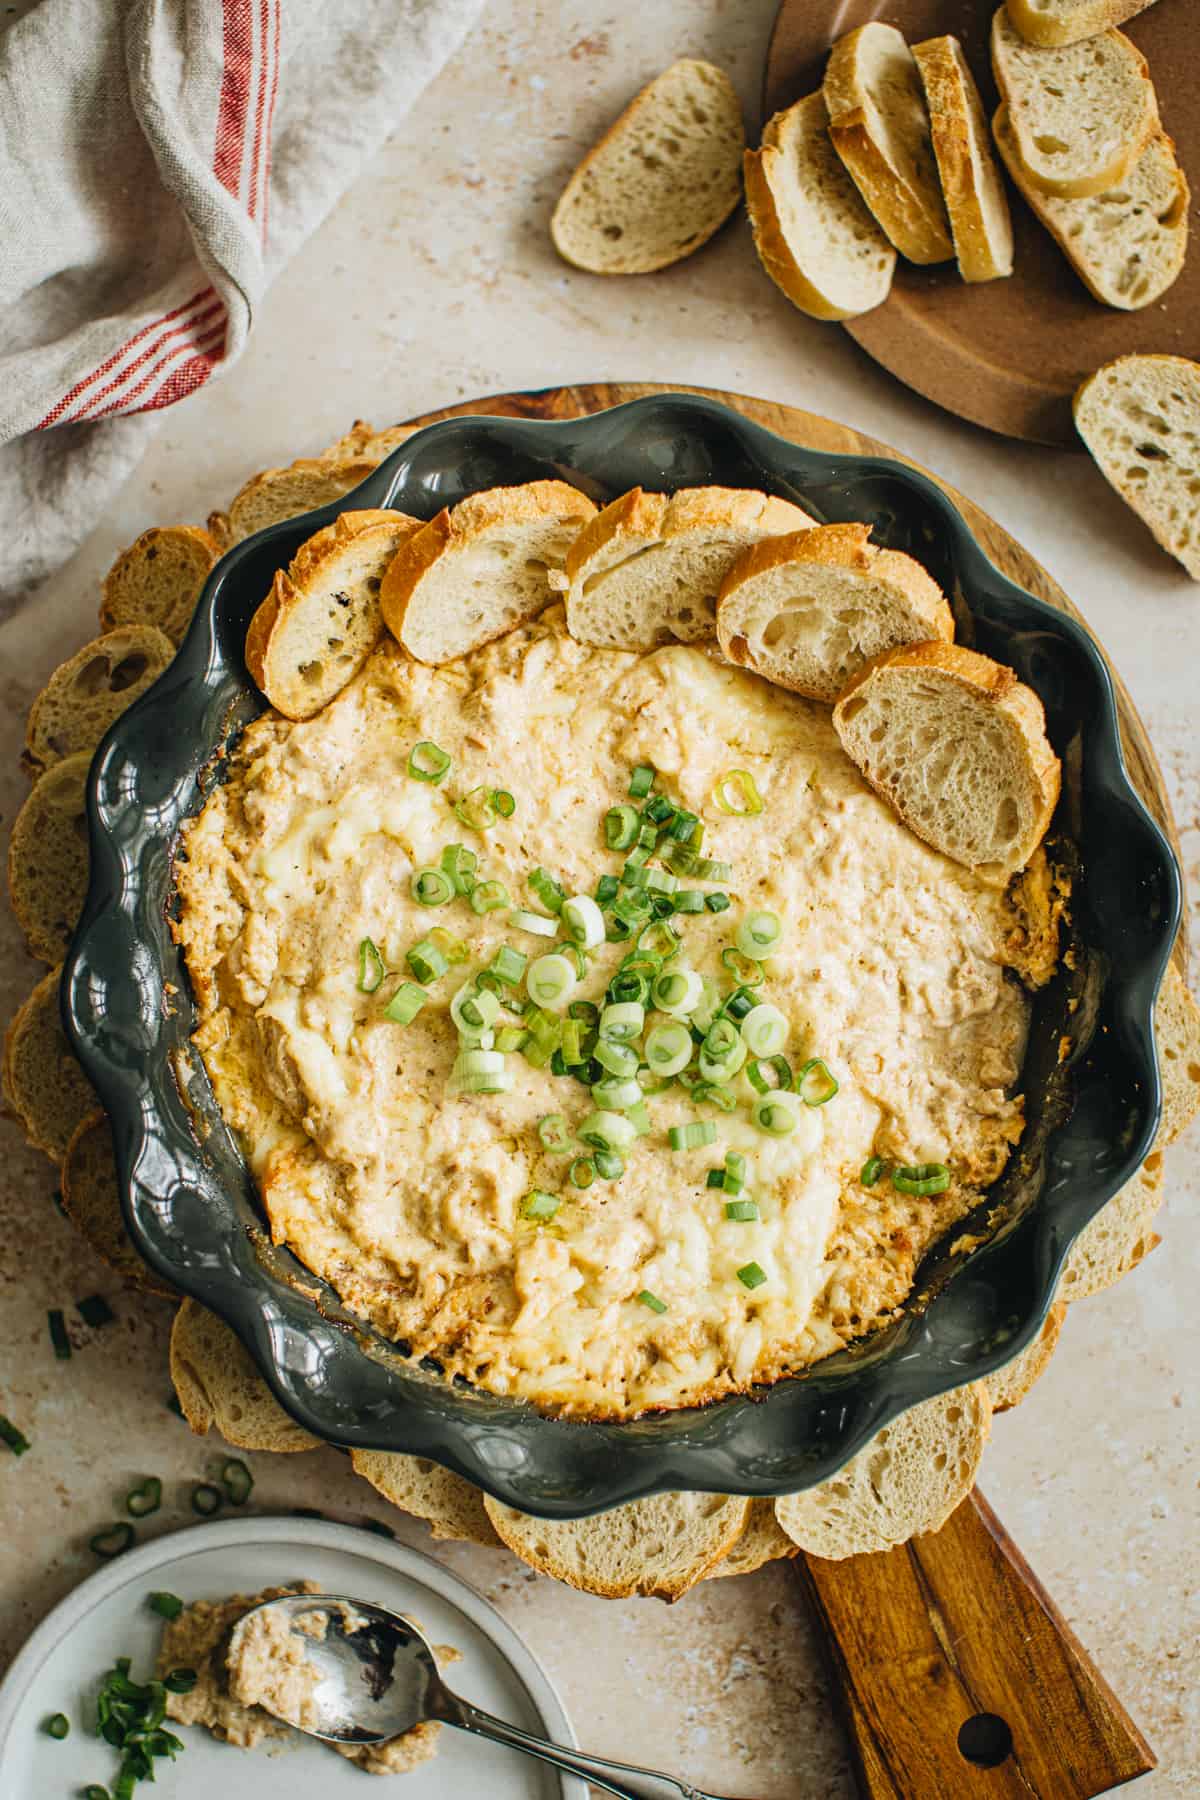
(1006, 354)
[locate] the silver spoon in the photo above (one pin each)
(378, 1677)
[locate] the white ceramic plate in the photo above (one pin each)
(107, 1617)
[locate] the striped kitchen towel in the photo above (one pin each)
(159, 161)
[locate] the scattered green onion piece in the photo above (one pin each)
(477, 809)
(145, 1498)
(639, 1117)
(237, 1481)
(724, 1069)
(577, 957)
(710, 1004)
(405, 1003)
(582, 1172)
(538, 1204)
(206, 1499)
(707, 868)
(181, 1681)
(815, 1083)
(16, 1440)
(510, 965)
(504, 802)
(758, 934)
(167, 1606)
(647, 835)
(428, 762)
(616, 1058)
(533, 922)
(872, 1169)
(606, 889)
(613, 1094)
(778, 1113)
(722, 1042)
(692, 1136)
(660, 810)
(735, 1172)
(735, 792)
(609, 1166)
(622, 1021)
(630, 909)
(511, 1037)
(501, 1082)
(371, 968)
(638, 857)
(584, 921)
(621, 825)
(474, 1066)
(745, 970)
(432, 887)
(715, 1178)
(685, 828)
(689, 900)
(604, 1130)
(641, 781)
(112, 1540)
(678, 992)
(586, 1011)
(549, 979)
(751, 1275)
(460, 865)
(717, 903)
(474, 1009)
(741, 1211)
(660, 940)
(57, 1726)
(426, 961)
(95, 1311)
(550, 892)
(553, 1134)
(765, 1030)
(652, 1083)
(920, 1178)
(93, 1791)
(489, 896)
(668, 1047)
(646, 1298)
(713, 1094)
(572, 1042)
(636, 876)
(739, 1005)
(780, 1070)
(58, 1334)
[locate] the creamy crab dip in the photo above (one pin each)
(688, 1131)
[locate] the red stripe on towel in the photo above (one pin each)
(233, 106)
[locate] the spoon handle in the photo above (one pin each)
(619, 1778)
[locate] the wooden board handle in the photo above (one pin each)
(959, 1677)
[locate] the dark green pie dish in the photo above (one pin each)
(189, 1202)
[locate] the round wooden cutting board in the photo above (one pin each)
(1007, 354)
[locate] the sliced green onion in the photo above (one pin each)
(460, 865)
(778, 1113)
(533, 922)
(58, 1334)
(510, 965)
(606, 889)
(745, 970)
(432, 887)
(715, 1178)
(721, 1040)
(553, 1134)
(511, 1037)
(641, 781)
(779, 1076)
(636, 875)
(615, 1057)
(651, 1083)
(717, 903)
(428, 762)
(735, 1172)
(622, 1021)
(765, 1030)
(167, 1606)
(735, 792)
(689, 900)
(739, 1005)
(179, 1681)
(630, 909)
(237, 1481)
(621, 825)
(646, 1298)
(668, 1047)
(584, 921)
(659, 939)
(573, 1042)
(614, 1094)
(660, 810)
(405, 1003)
(685, 828)
(504, 802)
(501, 1081)
(57, 1726)
(751, 1275)
(112, 1540)
(476, 1062)
(426, 961)
(758, 934)
(477, 809)
(371, 969)
(489, 896)
(538, 1204)
(815, 1083)
(582, 1172)
(639, 1116)
(723, 1069)
(206, 1499)
(474, 1009)
(920, 1178)
(647, 835)
(609, 1166)
(145, 1498)
(741, 1211)
(872, 1169)
(550, 892)
(692, 1136)
(93, 1791)
(604, 1130)
(549, 979)
(16, 1440)
(678, 992)
(577, 958)
(710, 1004)
(712, 1094)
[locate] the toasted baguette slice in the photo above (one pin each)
(814, 237)
(809, 609)
(1126, 245)
(85, 694)
(1052, 23)
(362, 443)
(972, 185)
(1177, 1034)
(958, 747)
(880, 129)
(92, 1202)
(763, 1540)
(42, 1082)
(452, 1506)
(661, 1546)
(219, 1388)
(1140, 418)
(1081, 116)
(1009, 1385)
(157, 581)
(648, 569)
(663, 178)
(907, 1480)
(322, 619)
(277, 494)
(1118, 1238)
(480, 568)
(48, 857)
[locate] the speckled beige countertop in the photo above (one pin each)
(433, 281)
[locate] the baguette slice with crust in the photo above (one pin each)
(480, 568)
(908, 1479)
(648, 569)
(972, 185)
(42, 1082)
(1009, 1385)
(661, 1546)
(1177, 1036)
(277, 494)
(809, 609)
(1126, 245)
(763, 1540)
(1080, 116)
(1052, 23)
(322, 618)
(48, 857)
(814, 237)
(92, 1202)
(880, 129)
(453, 1507)
(157, 581)
(85, 694)
(1140, 418)
(1117, 1239)
(219, 1387)
(957, 745)
(662, 179)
